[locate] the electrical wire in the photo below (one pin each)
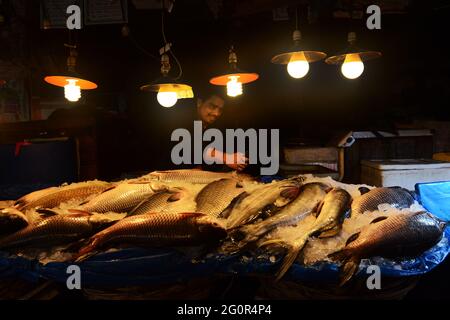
(180, 72)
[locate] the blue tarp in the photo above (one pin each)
(435, 197)
(136, 266)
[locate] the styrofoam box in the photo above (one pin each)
(403, 172)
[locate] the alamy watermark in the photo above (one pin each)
(257, 142)
(74, 279)
(374, 280)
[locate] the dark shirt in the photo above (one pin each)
(184, 117)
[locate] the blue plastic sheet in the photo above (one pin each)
(435, 197)
(136, 266)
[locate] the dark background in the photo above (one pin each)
(410, 82)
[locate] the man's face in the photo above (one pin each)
(211, 109)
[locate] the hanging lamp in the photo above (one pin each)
(233, 78)
(169, 89)
(71, 81)
(351, 59)
(298, 60)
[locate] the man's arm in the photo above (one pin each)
(236, 161)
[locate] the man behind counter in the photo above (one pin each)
(210, 105)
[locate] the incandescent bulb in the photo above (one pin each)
(167, 98)
(72, 92)
(352, 67)
(234, 87)
(298, 66)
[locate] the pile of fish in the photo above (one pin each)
(311, 219)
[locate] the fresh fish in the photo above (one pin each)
(56, 230)
(328, 223)
(278, 193)
(158, 229)
(123, 197)
(165, 201)
(369, 201)
(310, 197)
(11, 220)
(401, 235)
(215, 197)
(53, 197)
(195, 176)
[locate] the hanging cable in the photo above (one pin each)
(180, 72)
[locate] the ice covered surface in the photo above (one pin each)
(352, 189)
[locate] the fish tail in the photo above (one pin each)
(349, 269)
(86, 252)
(349, 265)
(290, 257)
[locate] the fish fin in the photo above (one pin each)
(330, 233)
(363, 190)
(319, 207)
(352, 238)
(378, 219)
(82, 257)
(139, 182)
(132, 211)
(277, 241)
(19, 204)
(79, 213)
(290, 192)
(341, 255)
(108, 189)
(75, 246)
(192, 214)
(290, 257)
(349, 269)
(175, 197)
(46, 212)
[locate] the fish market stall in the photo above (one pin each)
(290, 232)
(212, 149)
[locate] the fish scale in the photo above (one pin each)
(217, 196)
(251, 205)
(53, 197)
(195, 176)
(401, 235)
(122, 198)
(159, 229)
(53, 229)
(398, 197)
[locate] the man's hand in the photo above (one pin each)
(238, 161)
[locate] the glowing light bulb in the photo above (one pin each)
(72, 92)
(352, 67)
(234, 87)
(298, 66)
(167, 98)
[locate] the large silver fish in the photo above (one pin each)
(401, 235)
(55, 230)
(307, 202)
(215, 197)
(195, 176)
(164, 201)
(52, 197)
(397, 197)
(278, 193)
(158, 229)
(123, 197)
(328, 223)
